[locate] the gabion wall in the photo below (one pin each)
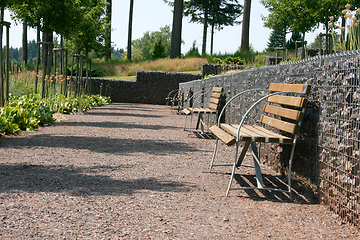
(328, 150)
(216, 68)
(150, 86)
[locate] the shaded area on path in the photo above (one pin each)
(126, 125)
(79, 181)
(101, 144)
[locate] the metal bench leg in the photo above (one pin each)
(213, 158)
(202, 124)
(290, 166)
(191, 117)
(184, 128)
(256, 158)
(238, 162)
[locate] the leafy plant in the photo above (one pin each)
(27, 112)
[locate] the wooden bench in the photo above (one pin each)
(212, 108)
(174, 98)
(283, 111)
(171, 96)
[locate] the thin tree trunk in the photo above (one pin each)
(343, 23)
(176, 30)
(7, 64)
(212, 36)
(108, 32)
(245, 34)
(205, 27)
(1, 60)
(284, 51)
(24, 44)
(38, 40)
(130, 29)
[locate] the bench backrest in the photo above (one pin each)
(215, 98)
(188, 95)
(289, 109)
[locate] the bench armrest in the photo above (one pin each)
(170, 97)
(236, 96)
(197, 95)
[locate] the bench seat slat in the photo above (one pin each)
(257, 132)
(273, 135)
(227, 138)
(232, 129)
(203, 110)
(247, 133)
(186, 111)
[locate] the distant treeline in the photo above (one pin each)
(15, 54)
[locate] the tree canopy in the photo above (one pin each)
(301, 15)
(215, 13)
(79, 21)
(146, 44)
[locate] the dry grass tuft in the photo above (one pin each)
(165, 65)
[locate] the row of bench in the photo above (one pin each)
(283, 111)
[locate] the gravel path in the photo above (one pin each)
(129, 171)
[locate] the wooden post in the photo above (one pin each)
(65, 74)
(37, 67)
(328, 43)
(1, 63)
(7, 64)
(303, 43)
(72, 73)
(63, 64)
(7, 61)
(55, 77)
(283, 53)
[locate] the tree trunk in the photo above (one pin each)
(176, 30)
(38, 40)
(130, 29)
(343, 23)
(24, 44)
(206, 13)
(1, 60)
(108, 32)
(284, 43)
(47, 60)
(212, 36)
(245, 34)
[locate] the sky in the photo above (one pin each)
(151, 15)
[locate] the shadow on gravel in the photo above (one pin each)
(101, 144)
(118, 125)
(78, 181)
(272, 181)
(122, 114)
(117, 107)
